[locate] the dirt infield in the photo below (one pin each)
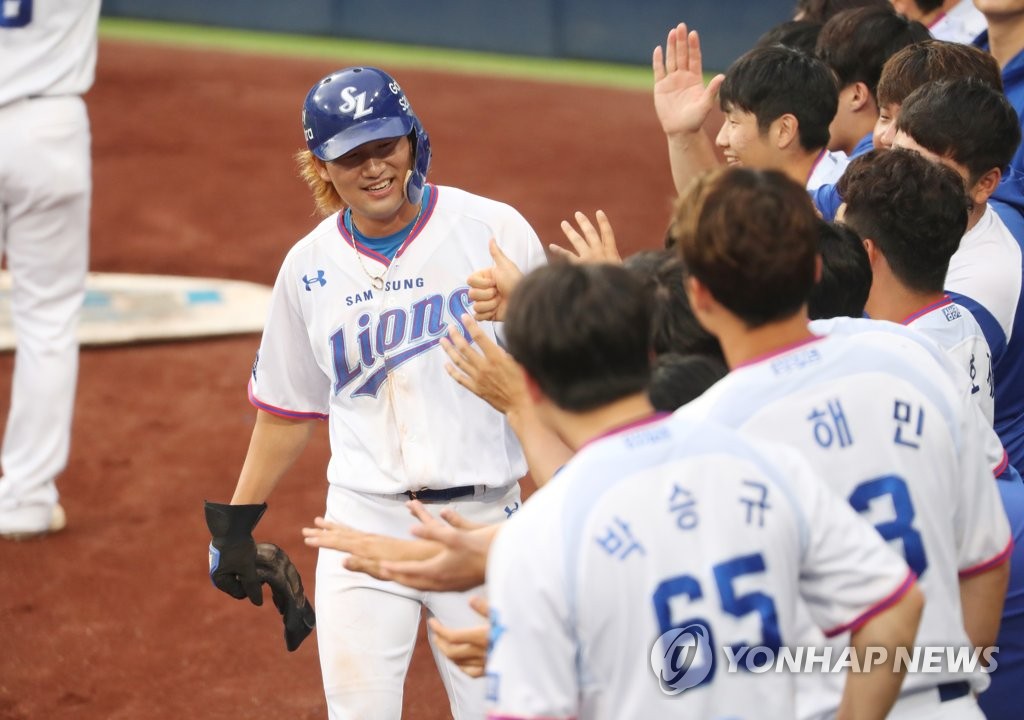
(115, 618)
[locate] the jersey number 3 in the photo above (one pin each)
(901, 527)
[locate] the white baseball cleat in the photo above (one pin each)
(58, 521)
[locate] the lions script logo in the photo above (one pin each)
(682, 658)
(381, 343)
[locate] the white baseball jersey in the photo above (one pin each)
(962, 23)
(665, 526)
(987, 268)
(884, 424)
(335, 347)
(953, 328)
(827, 170)
(995, 454)
(47, 47)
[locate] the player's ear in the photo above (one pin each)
(533, 390)
(786, 131)
(861, 97)
(871, 249)
(818, 264)
(697, 293)
(985, 186)
(321, 169)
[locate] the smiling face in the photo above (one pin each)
(371, 181)
(885, 126)
(742, 141)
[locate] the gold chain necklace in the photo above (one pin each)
(377, 281)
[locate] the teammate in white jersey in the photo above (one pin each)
(352, 337)
(911, 214)
(660, 532)
(47, 61)
(971, 127)
(875, 414)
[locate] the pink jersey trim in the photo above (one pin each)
(413, 234)
(937, 20)
(631, 425)
(946, 300)
(281, 412)
(779, 351)
(817, 161)
(885, 604)
(998, 470)
(422, 222)
(989, 564)
(360, 248)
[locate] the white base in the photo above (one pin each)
(122, 308)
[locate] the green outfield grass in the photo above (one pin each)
(632, 77)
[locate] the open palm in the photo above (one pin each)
(680, 97)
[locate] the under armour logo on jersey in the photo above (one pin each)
(353, 102)
(318, 279)
(510, 510)
(16, 13)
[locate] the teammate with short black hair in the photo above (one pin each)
(876, 413)
(972, 129)
(842, 290)
(778, 104)
(856, 44)
(917, 64)
(912, 214)
(598, 580)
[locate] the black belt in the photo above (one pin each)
(953, 690)
(427, 495)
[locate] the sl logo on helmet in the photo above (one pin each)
(354, 102)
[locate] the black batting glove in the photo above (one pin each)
(233, 550)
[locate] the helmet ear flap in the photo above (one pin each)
(416, 178)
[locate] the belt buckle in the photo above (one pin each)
(414, 494)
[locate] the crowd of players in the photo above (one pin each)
(870, 170)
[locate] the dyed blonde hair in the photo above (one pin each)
(325, 196)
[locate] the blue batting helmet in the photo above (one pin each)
(358, 105)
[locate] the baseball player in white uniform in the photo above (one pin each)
(352, 335)
(880, 420)
(47, 61)
(661, 533)
(912, 214)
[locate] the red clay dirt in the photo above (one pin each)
(115, 618)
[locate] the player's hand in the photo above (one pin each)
(680, 98)
(461, 564)
(485, 370)
(368, 546)
(489, 288)
(233, 550)
(591, 245)
(466, 647)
